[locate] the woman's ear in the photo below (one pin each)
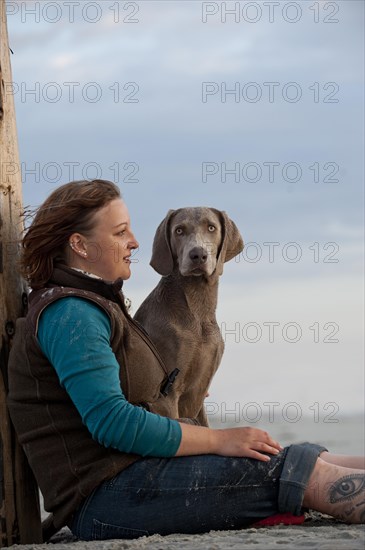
(162, 260)
(77, 244)
(232, 242)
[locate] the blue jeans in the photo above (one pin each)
(194, 494)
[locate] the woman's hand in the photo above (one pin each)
(248, 442)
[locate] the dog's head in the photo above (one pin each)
(196, 240)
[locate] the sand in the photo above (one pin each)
(318, 532)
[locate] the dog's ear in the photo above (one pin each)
(232, 242)
(162, 260)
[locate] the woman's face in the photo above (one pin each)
(107, 250)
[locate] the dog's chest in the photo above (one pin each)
(203, 346)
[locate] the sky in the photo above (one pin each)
(254, 108)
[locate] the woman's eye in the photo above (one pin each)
(178, 231)
(211, 228)
(346, 487)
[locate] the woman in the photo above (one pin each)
(84, 378)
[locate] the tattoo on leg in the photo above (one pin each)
(362, 517)
(347, 488)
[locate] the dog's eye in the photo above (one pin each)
(178, 231)
(211, 228)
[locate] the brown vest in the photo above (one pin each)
(68, 464)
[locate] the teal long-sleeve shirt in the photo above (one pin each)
(74, 334)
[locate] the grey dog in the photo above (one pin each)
(190, 248)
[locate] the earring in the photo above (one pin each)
(72, 245)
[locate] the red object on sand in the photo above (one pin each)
(276, 519)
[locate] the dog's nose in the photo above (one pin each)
(198, 255)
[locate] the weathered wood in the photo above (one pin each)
(19, 497)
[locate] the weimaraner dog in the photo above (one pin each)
(189, 250)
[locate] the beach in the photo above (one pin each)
(317, 532)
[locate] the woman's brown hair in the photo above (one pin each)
(69, 209)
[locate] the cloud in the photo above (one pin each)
(62, 61)
(345, 231)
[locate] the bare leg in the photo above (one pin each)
(337, 491)
(354, 462)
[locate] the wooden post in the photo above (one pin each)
(19, 497)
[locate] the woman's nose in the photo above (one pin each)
(133, 242)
